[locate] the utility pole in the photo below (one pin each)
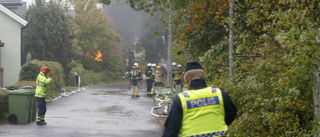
(169, 71)
(231, 7)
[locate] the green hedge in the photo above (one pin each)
(3, 106)
(30, 71)
(87, 77)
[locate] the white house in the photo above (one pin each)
(11, 25)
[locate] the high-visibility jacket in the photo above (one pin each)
(178, 74)
(203, 113)
(149, 73)
(135, 74)
(41, 85)
(158, 75)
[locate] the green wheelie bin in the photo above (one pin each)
(22, 106)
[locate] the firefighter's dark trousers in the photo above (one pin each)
(149, 85)
(41, 108)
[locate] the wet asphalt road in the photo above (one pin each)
(99, 111)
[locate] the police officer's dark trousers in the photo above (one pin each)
(41, 108)
(149, 85)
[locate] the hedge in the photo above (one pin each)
(3, 105)
(29, 72)
(87, 77)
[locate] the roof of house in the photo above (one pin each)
(13, 15)
(11, 2)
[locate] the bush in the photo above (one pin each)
(29, 72)
(87, 77)
(3, 105)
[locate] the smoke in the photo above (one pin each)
(130, 24)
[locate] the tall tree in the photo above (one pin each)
(46, 36)
(94, 37)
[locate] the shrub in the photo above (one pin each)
(3, 105)
(87, 77)
(30, 71)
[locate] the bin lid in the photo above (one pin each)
(20, 92)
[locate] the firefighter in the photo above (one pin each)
(153, 68)
(158, 81)
(41, 93)
(149, 76)
(201, 110)
(135, 77)
(177, 77)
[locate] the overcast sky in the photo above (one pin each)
(29, 2)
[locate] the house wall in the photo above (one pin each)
(10, 54)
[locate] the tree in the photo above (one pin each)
(46, 36)
(94, 37)
(276, 54)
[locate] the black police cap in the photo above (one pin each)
(193, 65)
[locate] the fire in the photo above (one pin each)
(98, 56)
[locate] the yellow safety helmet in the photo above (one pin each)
(158, 67)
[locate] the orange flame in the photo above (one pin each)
(98, 56)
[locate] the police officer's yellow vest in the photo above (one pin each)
(158, 75)
(41, 85)
(203, 113)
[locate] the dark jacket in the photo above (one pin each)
(174, 120)
(149, 73)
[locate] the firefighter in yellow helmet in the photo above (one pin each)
(158, 81)
(40, 94)
(201, 110)
(135, 77)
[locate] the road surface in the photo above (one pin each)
(98, 111)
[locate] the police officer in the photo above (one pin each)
(135, 77)
(158, 81)
(40, 94)
(201, 110)
(149, 76)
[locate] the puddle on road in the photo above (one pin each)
(110, 109)
(81, 110)
(110, 92)
(115, 111)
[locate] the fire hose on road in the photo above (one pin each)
(167, 99)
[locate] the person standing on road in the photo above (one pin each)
(149, 76)
(158, 81)
(40, 94)
(201, 110)
(135, 76)
(177, 76)
(153, 68)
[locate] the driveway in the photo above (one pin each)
(98, 111)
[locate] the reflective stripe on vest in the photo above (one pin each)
(203, 113)
(214, 134)
(41, 85)
(39, 95)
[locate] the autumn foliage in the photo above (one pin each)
(275, 55)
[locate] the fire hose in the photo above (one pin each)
(167, 99)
